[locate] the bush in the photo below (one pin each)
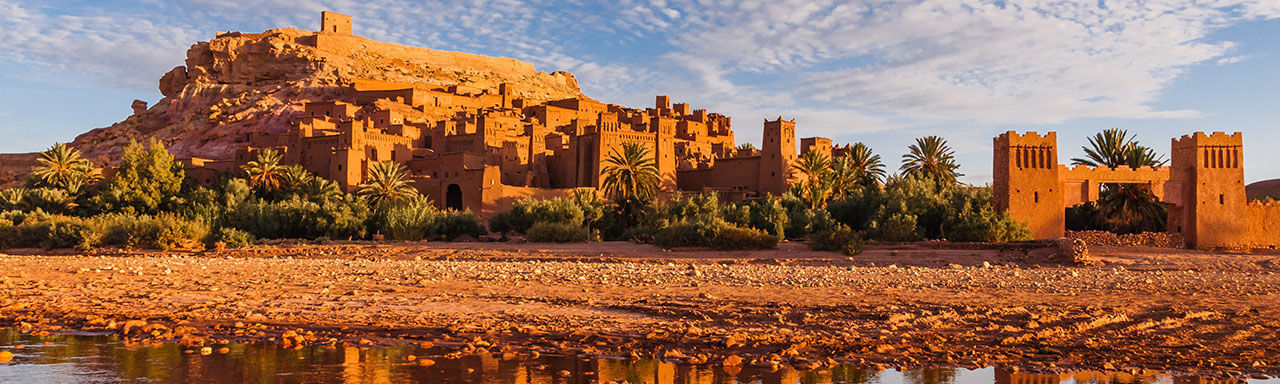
(452, 224)
(543, 232)
(768, 214)
(164, 231)
(987, 226)
(729, 237)
(412, 220)
(229, 237)
(528, 211)
(297, 218)
(715, 234)
(841, 238)
(899, 227)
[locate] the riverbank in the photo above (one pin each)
(893, 306)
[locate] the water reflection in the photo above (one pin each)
(105, 359)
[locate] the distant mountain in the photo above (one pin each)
(1262, 189)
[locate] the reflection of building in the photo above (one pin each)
(481, 149)
(1204, 187)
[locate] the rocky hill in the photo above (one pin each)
(244, 82)
(1263, 189)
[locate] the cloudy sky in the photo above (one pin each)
(879, 72)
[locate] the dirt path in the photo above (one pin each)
(905, 305)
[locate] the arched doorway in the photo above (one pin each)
(453, 197)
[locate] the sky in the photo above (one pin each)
(878, 72)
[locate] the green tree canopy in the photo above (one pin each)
(931, 158)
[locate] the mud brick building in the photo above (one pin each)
(1203, 187)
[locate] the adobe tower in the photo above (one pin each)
(776, 155)
(1026, 181)
(1207, 169)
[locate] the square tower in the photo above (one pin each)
(1025, 182)
(333, 22)
(777, 152)
(1209, 172)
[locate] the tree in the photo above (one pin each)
(1115, 148)
(815, 167)
(630, 174)
(265, 173)
(387, 182)
(146, 182)
(930, 157)
(746, 148)
(1124, 208)
(868, 168)
(631, 179)
(62, 167)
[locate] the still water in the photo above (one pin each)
(105, 359)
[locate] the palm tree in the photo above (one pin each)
(930, 157)
(815, 167)
(1124, 207)
(294, 177)
(62, 166)
(867, 166)
(318, 189)
(842, 178)
(265, 173)
(388, 182)
(631, 175)
(746, 148)
(1115, 148)
(11, 198)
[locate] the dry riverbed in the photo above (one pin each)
(893, 306)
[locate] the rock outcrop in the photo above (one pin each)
(238, 83)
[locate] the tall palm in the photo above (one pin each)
(388, 182)
(630, 175)
(1114, 148)
(867, 165)
(930, 157)
(61, 166)
(294, 177)
(815, 167)
(843, 177)
(1124, 207)
(265, 173)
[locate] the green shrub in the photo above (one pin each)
(768, 214)
(452, 224)
(526, 212)
(841, 238)
(899, 227)
(411, 220)
(164, 231)
(987, 226)
(229, 237)
(714, 234)
(730, 237)
(543, 232)
(298, 218)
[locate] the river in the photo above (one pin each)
(107, 359)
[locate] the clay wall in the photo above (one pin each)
(1264, 224)
(820, 144)
(333, 22)
(1082, 184)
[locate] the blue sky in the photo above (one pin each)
(879, 72)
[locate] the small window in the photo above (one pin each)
(1222, 199)
(1037, 196)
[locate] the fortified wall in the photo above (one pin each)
(1203, 187)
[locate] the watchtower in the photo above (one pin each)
(777, 152)
(1025, 181)
(333, 22)
(1208, 170)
